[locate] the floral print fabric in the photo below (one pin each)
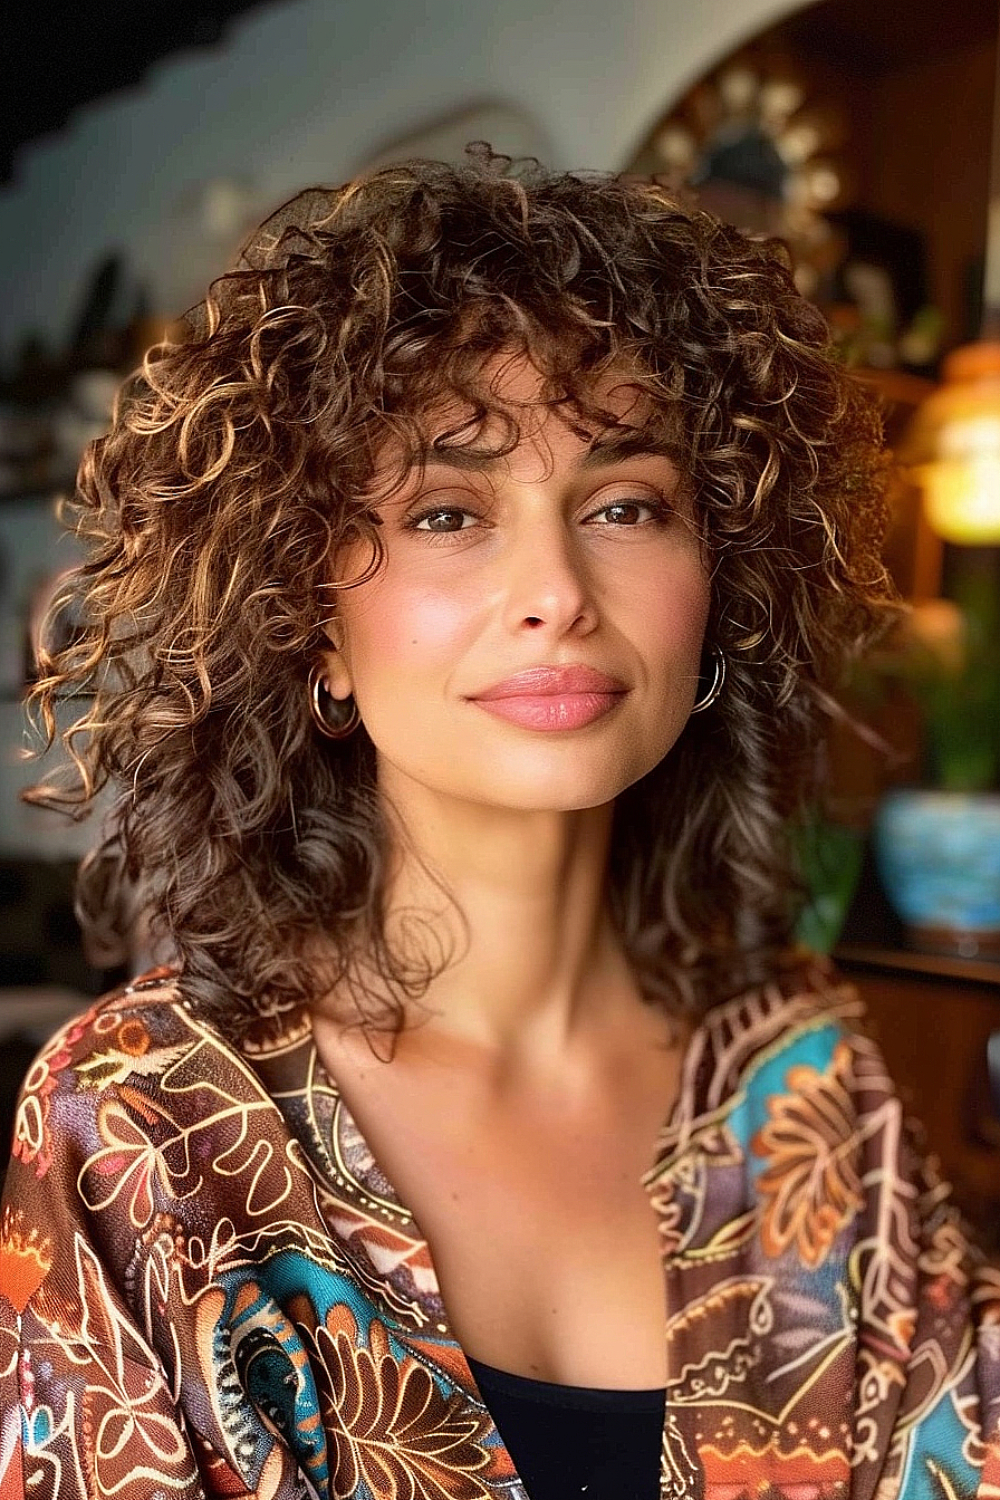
(207, 1287)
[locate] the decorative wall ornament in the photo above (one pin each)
(760, 153)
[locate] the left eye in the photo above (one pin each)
(623, 512)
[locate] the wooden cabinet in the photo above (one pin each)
(933, 1018)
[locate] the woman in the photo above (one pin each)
(467, 591)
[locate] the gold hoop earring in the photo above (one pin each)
(332, 729)
(716, 688)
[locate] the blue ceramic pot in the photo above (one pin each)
(938, 855)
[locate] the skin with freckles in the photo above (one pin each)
(533, 1049)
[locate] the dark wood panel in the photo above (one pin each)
(934, 1029)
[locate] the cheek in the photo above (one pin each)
(401, 629)
(670, 613)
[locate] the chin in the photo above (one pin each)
(536, 777)
(557, 791)
(551, 802)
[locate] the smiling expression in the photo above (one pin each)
(575, 549)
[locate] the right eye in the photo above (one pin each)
(449, 512)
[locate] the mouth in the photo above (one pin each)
(552, 711)
(553, 682)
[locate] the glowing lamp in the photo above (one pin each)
(952, 447)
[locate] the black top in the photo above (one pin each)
(569, 1441)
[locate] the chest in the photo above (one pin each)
(542, 1235)
(546, 1249)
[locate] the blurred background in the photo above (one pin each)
(138, 145)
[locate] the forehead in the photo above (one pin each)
(510, 385)
(510, 402)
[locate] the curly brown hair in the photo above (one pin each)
(237, 464)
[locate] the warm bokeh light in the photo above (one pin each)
(962, 500)
(953, 448)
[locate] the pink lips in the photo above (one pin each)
(550, 681)
(553, 697)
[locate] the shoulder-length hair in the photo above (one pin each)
(237, 463)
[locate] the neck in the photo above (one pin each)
(532, 950)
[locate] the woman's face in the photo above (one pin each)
(571, 550)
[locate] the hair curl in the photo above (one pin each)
(237, 463)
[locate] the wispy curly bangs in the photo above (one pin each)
(241, 457)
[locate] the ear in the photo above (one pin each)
(336, 672)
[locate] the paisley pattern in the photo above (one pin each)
(208, 1288)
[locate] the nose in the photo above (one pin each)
(547, 583)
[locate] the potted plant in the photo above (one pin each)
(937, 843)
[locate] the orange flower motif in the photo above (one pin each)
(810, 1188)
(132, 1037)
(25, 1259)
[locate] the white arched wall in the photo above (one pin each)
(305, 91)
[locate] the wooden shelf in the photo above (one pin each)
(931, 966)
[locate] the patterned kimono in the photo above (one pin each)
(210, 1289)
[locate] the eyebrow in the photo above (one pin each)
(603, 451)
(616, 446)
